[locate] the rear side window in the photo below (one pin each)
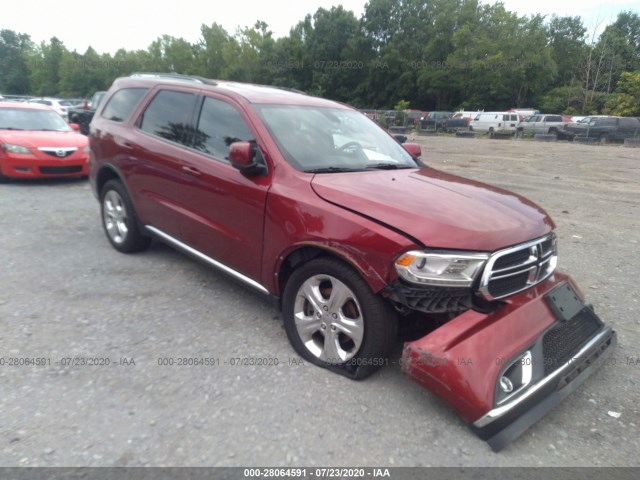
(606, 122)
(122, 104)
(553, 118)
(218, 127)
(630, 123)
(169, 116)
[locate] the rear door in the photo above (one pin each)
(156, 175)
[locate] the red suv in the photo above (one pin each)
(312, 204)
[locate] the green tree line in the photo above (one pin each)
(433, 54)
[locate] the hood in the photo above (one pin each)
(36, 138)
(437, 209)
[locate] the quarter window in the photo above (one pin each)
(219, 126)
(169, 116)
(122, 104)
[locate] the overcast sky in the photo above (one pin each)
(134, 24)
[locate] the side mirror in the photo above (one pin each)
(413, 149)
(75, 127)
(243, 157)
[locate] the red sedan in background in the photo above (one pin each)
(36, 142)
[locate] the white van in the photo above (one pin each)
(495, 122)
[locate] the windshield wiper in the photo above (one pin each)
(388, 166)
(333, 170)
(10, 128)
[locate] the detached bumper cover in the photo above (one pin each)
(505, 423)
(549, 326)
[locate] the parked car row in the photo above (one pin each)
(600, 127)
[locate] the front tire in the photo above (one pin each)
(334, 320)
(119, 219)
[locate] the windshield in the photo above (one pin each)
(326, 140)
(26, 119)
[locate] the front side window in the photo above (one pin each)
(169, 116)
(327, 140)
(219, 126)
(122, 103)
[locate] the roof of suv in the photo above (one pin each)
(248, 92)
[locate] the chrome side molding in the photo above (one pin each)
(205, 258)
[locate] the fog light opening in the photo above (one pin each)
(516, 377)
(506, 385)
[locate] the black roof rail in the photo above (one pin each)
(175, 76)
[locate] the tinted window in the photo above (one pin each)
(629, 123)
(606, 122)
(218, 127)
(169, 116)
(122, 103)
(554, 118)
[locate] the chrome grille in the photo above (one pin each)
(517, 268)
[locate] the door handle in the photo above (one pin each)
(191, 171)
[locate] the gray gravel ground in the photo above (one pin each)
(64, 292)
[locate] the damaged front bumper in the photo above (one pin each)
(503, 371)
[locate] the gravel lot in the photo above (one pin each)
(65, 293)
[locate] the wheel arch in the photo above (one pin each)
(301, 254)
(106, 173)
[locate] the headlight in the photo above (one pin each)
(8, 147)
(86, 149)
(450, 269)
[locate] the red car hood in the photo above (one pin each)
(437, 209)
(35, 139)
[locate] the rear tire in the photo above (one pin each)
(119, 219)
(334, 320)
